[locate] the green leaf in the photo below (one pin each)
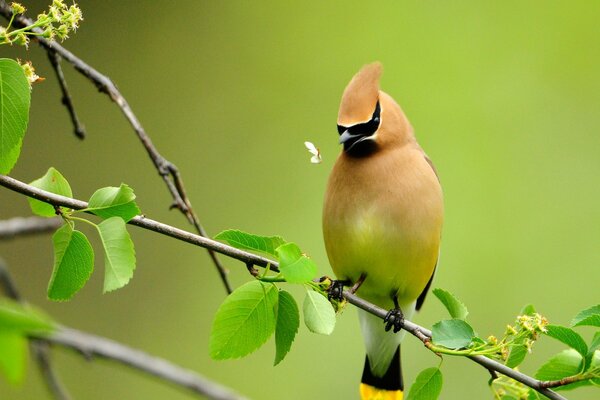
(533, 394)
(288, 321)
(52, 182)
(244, 321)
(569, 337)
(15, 316)
(427, 385)
(73, 263)
(119, 254)
(595, 344)
(13, 355)
(319, 315)
(452, 333)
(454, 306)
(295, 267)
(529, 309)
(15, 97)
(248, 241)
(516, 356)
(114, 202)
(564, 364)
(589, 316)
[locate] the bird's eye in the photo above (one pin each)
(370, 127)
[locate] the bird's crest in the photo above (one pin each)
(360, 96)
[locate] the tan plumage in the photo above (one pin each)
(383, 210)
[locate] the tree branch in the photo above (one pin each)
(251, 259)
(18, 226)
(38, 347)
(66, 96)
(166, 169)
(90, 345)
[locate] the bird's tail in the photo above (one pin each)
(387, 387)
(382, 375)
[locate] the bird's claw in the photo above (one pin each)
(394, 318)
(336, 290)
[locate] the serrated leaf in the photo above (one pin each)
(569, 337)
(529, 309)
(13, 355)
(114, 202)
(15, 98)
(295, 266)
(52, 182)
(22, 318)
(455, 307)
(119, 253)
(73, 263)
(589, 316)
(244, 321)
(516, 356)
(288, 321)
(452, 333)
(249, 241)
(319, 315)
(427, 385)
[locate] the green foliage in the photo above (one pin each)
(589, 316)
(73, 263)
(319, 315)
(427, 385)
(288, 321)
(15, 98)
(516, 355)
(13, 356)
(295, 266)
(248, 241)
(119, 253)
(52, 182)
(22, 318)
(452, 333)
(569, 337)
(455, 307)
(17, 321)
(73, 253)
(244, 321)
(112, 201)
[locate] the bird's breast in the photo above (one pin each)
(382, 217)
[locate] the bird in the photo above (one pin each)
(382, 222)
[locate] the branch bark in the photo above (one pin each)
(13, 227)
(423, 334)
(90, 345)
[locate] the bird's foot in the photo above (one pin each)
(336, 290)
(394, 318)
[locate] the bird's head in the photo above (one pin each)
(370, 119)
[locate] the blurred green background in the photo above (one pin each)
(504, 97)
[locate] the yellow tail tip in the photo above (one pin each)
(368, 392)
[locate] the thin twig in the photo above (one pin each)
(90, 345)
(166, 169)
(251, 259)
(143, 222)
(19, 226)
(66, 99)
(39, 347)
(425, 336)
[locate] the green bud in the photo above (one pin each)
(21, 39)
(17, 8)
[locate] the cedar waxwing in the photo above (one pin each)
(382, 221)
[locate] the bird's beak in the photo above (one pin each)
(344, 137)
